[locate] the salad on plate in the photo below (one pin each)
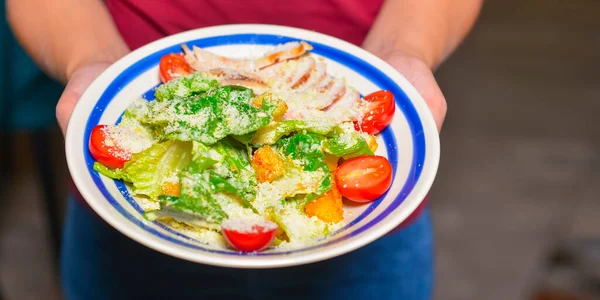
(249, 154)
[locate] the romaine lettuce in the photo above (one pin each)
(346, 142)
(208, 117)
(234, 174)
(196, 195)
(148, 170)
(271, 133)
(306, 150)
(223, 167)
(190, 85)
(108, 172)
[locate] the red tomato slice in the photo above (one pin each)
(249, 237)
(105, 149)
(173, 66)
(364, 178)
(380, 111)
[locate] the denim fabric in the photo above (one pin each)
(98, 262)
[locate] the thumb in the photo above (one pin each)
(80, 80)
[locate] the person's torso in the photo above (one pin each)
(143, 21)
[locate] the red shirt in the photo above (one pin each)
(143, 21)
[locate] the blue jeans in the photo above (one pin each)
(99, 262)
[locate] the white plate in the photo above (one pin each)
(411, 143)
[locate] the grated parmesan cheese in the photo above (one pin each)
(234, 209)
(301, 229)
(123, 141)
(248, 226)
(234, 118)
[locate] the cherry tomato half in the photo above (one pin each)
(379, 113)
(105, 150)
(364, 178)
(248, 237)
(173, 66)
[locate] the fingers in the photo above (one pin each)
(419, 74)
(427, 86)
(79, 82)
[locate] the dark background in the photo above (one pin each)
(518, 190)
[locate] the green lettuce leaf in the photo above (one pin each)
(223, 167)
(148, 170)
(306, 150)
(245, 139)
(346, 142)
(271, 133)
(208, 117)
(234, 174)
(196, 196)
(183, 87)
(204, 156)
(108, 172)
(173, 209)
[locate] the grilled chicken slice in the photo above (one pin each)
(236, 77)
(347, 107)
(202, 60)
(291, 74)
(281, 53)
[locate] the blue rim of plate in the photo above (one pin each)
(356, 64)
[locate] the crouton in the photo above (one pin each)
(258, 101)
(170, 188)
(267, 164)
(328, 208)
(372, 142)
(278, 112)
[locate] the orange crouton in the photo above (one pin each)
(278, 112)
(328, 207)
(267, 164)
(372, 142)
(170, 188)
(258, 101)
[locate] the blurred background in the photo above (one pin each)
(516, 204)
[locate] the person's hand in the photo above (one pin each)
(78, 82)
(421, 76)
